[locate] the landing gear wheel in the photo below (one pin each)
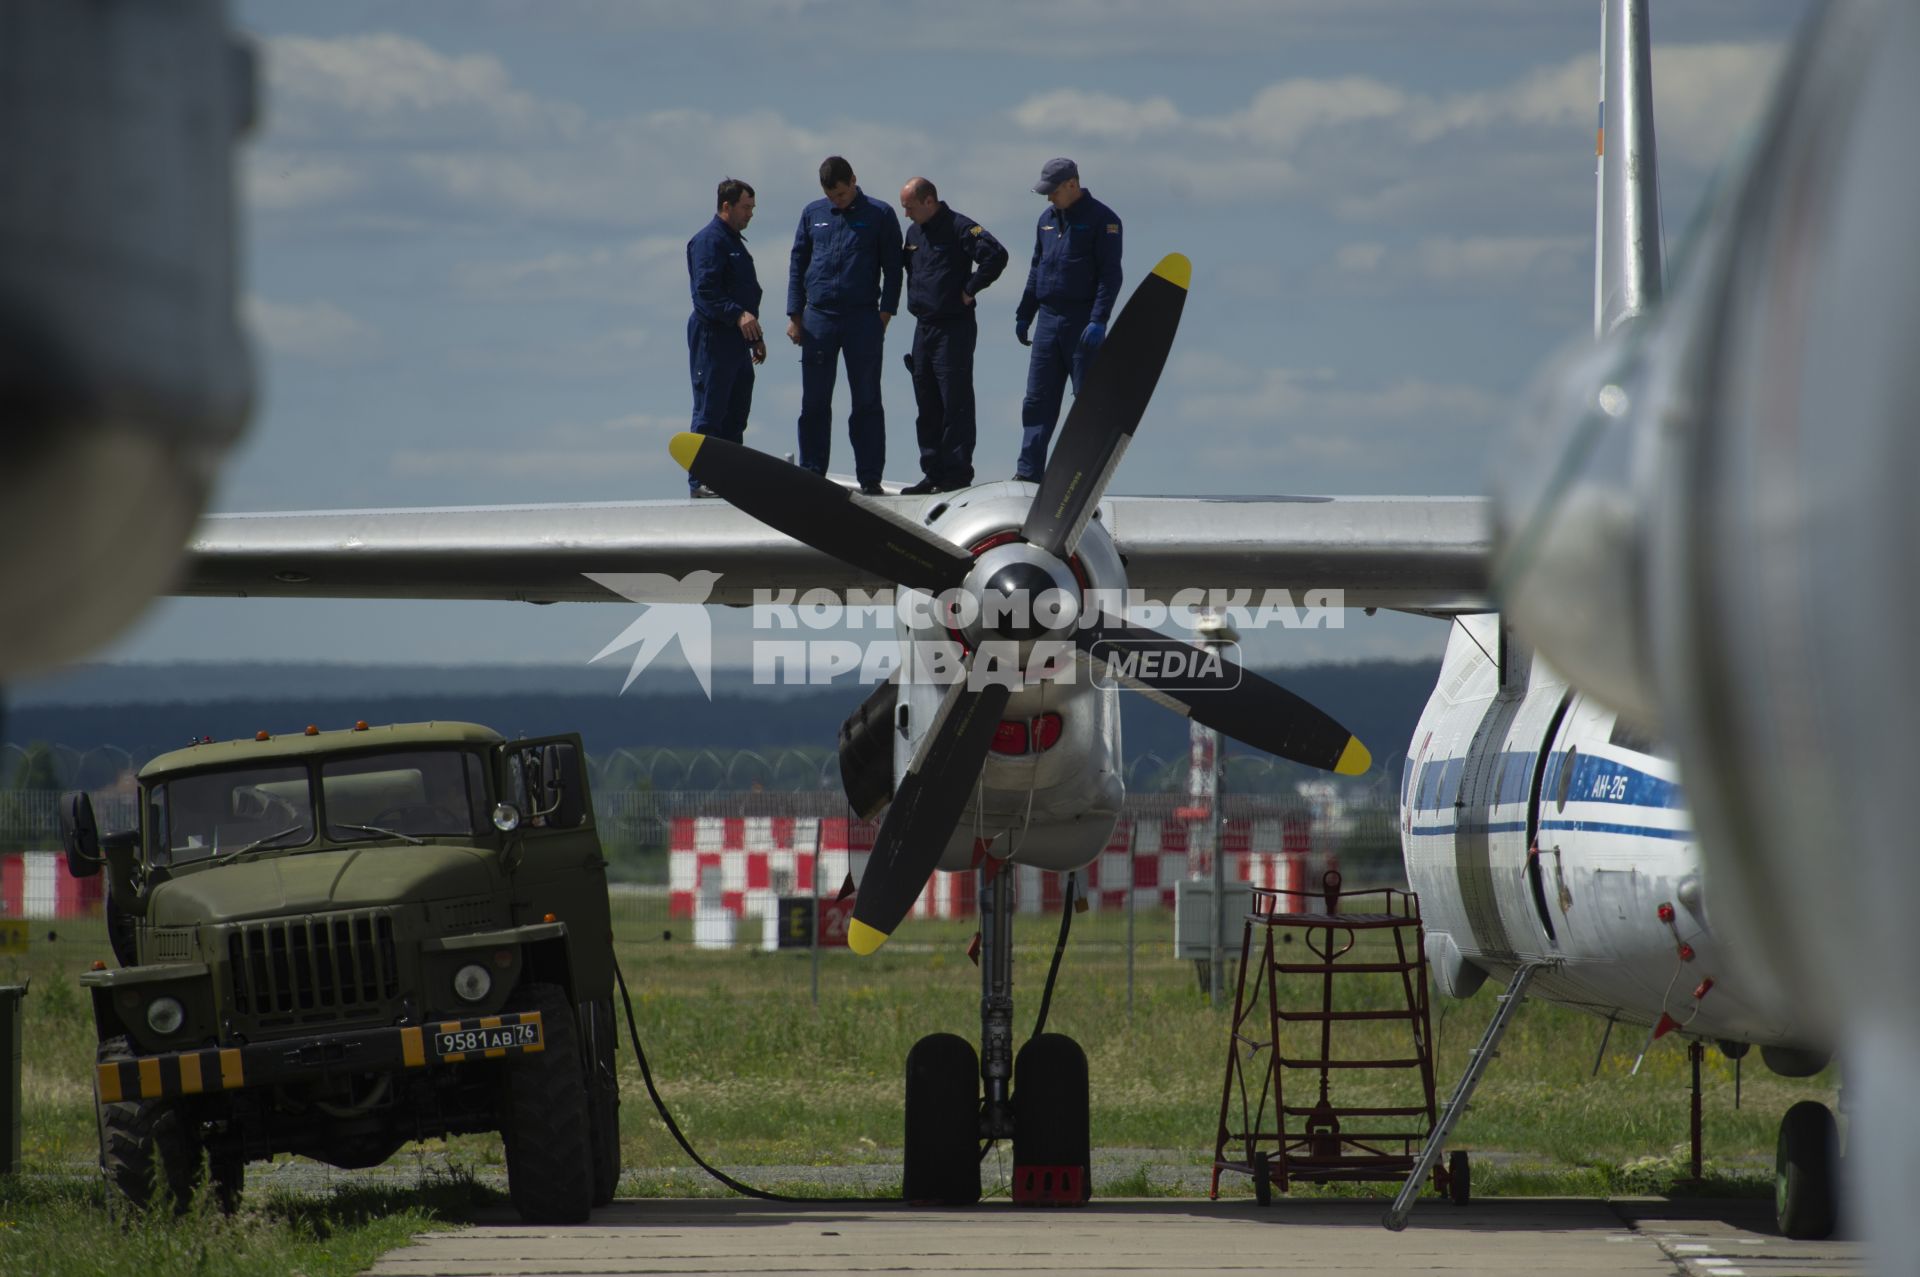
(1459, 1177)
(149, 1149)
(1804, 1162)
(544, 1118)
(943, 1122)
(1051, 1128)
(603, 1096)
(1262, 1179)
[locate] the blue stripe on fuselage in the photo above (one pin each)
(1594, 780)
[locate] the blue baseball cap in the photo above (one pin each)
(1053, 173)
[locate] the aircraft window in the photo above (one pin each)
(422, 793)
(218, 813)
(1625, 736)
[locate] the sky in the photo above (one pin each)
(466, 220)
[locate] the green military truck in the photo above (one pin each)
(331, 943)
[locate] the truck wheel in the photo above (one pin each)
(603, 1096)
(544, 1118)
(149, 1149)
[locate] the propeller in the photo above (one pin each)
(1216, 691)
(816, 511)
(1203, 684)
(925, 808)
(1107, 408)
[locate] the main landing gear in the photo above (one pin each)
(1806, 1163)
(1046, 1118)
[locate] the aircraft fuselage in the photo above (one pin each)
(1535, 825)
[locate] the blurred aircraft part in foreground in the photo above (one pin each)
(123, 376)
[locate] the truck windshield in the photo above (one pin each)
(219, 813)
(417, 793)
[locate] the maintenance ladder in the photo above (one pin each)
(1277, 1142)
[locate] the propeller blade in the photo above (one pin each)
(1107, 408)
(816, 511)
(925, 809)
(1220, 693)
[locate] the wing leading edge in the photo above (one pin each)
(1426, 554)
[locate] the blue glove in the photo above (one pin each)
(1020, 327)
(1091, 336)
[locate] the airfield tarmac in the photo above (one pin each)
(1515, 1236)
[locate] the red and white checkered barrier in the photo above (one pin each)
(761, 858)
(36, 884)
(757, 859)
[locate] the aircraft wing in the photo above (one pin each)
(1426, 554)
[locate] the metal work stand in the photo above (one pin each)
(1323, 1141)
(1477, 1061)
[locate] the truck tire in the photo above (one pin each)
(544, 1118)
(149, 1150)
(603, 1096)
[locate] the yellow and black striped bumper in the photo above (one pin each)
(151, 1077)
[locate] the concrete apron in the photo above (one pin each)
(1566, 1237)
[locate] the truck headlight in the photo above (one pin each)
(472, 982)
(165, 1015)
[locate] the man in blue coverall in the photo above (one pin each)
(1072, 287)
(950, 258)
(724, 340)
(843, 286)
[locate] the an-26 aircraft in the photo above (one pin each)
(1550, 843)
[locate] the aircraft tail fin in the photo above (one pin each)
(1628, 259)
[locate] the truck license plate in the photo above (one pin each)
(470, 1041)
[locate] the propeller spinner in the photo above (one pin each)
(1026, 592)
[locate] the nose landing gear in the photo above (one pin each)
(1046, 1117)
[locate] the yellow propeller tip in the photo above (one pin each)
(1176, 270)
(685, 446)
(1354, 759)
(863, 939)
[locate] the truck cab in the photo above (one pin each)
(331, 943)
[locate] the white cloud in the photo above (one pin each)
(1703, 94)
(616, 352)
(313, 330)
(1359, 258)
(1403, 435)
(1095, 115)
(385, 85)
(277, 181)
(1495, 259)
(632, 272)
(1282, 114)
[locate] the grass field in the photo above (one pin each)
(757, 1075)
